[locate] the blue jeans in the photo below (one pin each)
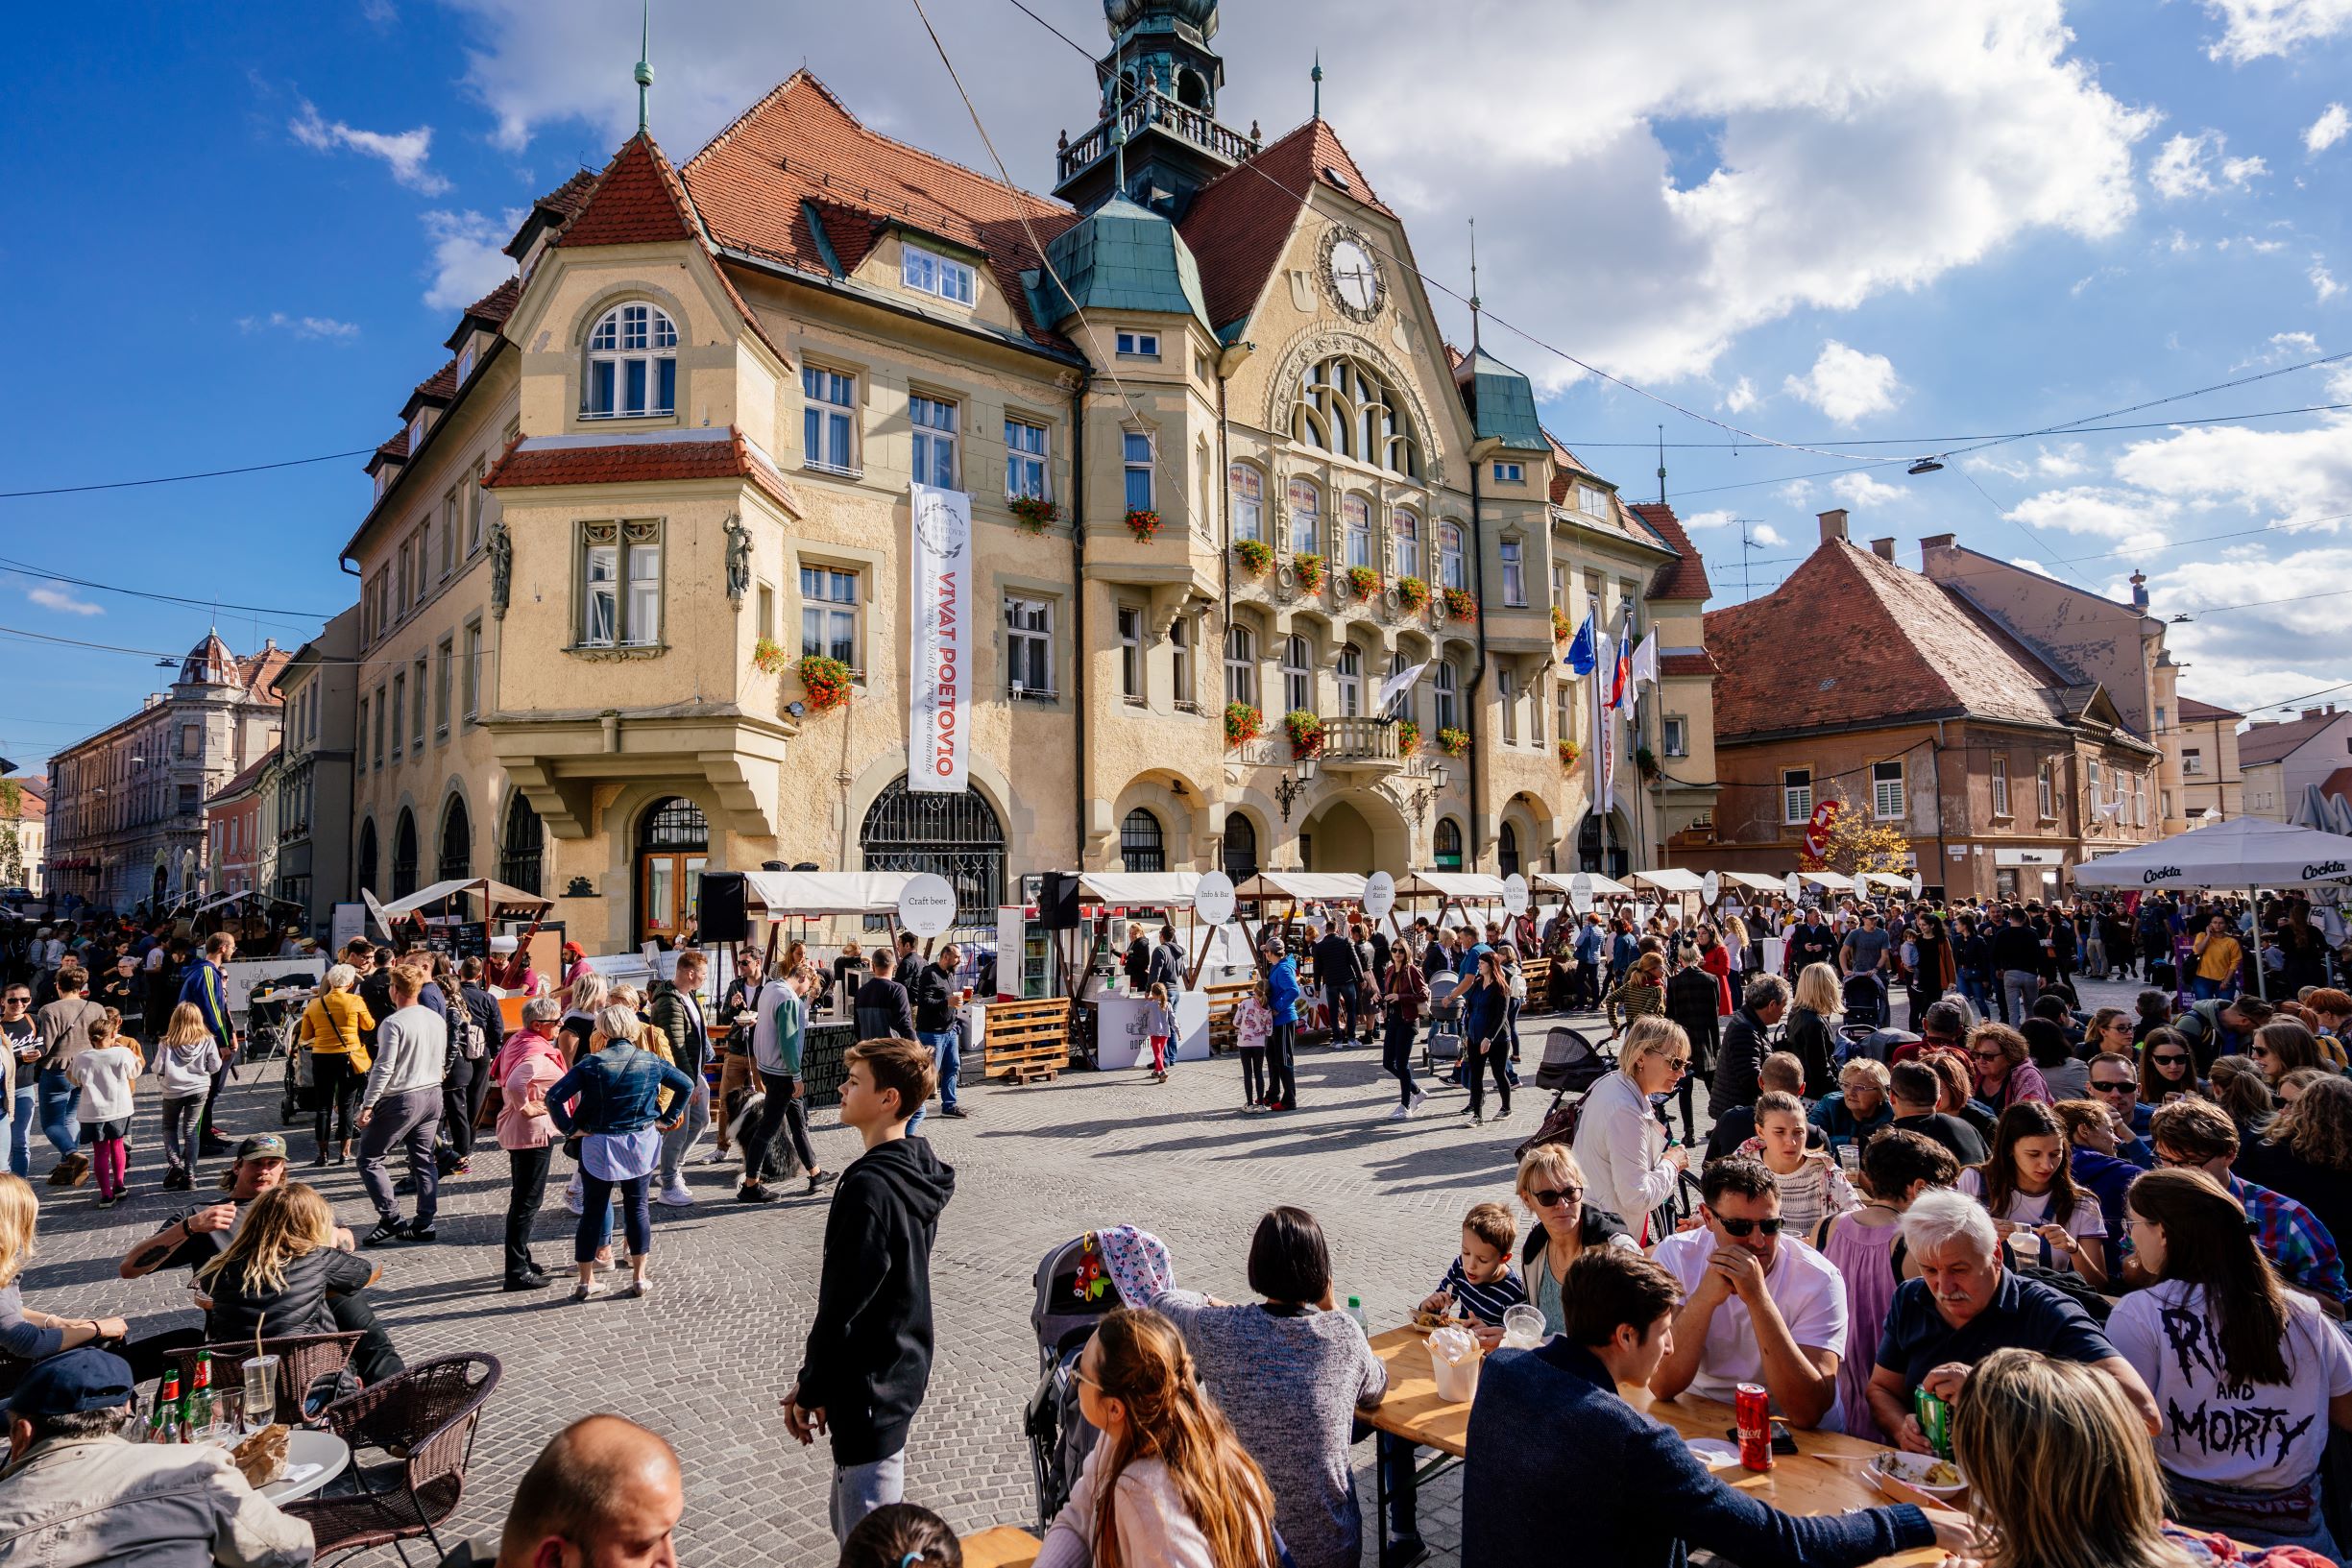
(2206, 990)
(947, 1055)
(59, 1124)
(596, 1227)
(20, 1126)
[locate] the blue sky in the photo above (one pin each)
(1824, 222)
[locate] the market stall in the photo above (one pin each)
(777, 896)
(438, 913)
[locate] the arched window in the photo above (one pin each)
(1141, 847)
(1408, 526)
(1352, 682)
(1407, 707)
(1448, 844)
(1242, 666)
(632, 365)
(1298, 679)
(404, 854)
(456, 842)
(1345, 407)
(521, 844)
(1192, 89)
(1241, 848)
(1450, 573)
(1447, 682)
(1306, 504)
(1356, 525)
(1507, 850)
(955, 836)
(1247, 488)
(367, 854)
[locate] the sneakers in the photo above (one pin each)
(675, 1196)
(107, 1202)
(386, 1234)
(528, 1282)
(959, 1113)
(414, 1232)
(637, 1289)
(821, 1180)
(1400, 1113)
(709, 1157)
(754, 1193)
(588, 1291)
(1420, 1099)
(574, 1198)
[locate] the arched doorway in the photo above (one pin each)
(672, 842)
(1141, 846)
(404, 854)
(1588, 845)
(1507, 850)
(1338, 838)
(456, 842)
(1241, 848)
(956, 836)
(521, 845)
(367, 858)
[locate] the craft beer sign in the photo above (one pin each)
(939, 695)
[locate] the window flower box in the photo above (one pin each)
(1570, 754)
(767, 655)
(827, 681)
(1312, 571)
(1033, 514)
(1562, 628)
(1242, 724)
(1144, 523)
(1454, 743)
(1412, 592)
(1363, 583)
(1458, 605)
(1408, 737)
(1254, 554)
(1305, 730)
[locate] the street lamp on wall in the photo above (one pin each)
(1295, 783)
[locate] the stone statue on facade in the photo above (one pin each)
(502, 568)
(738, 560)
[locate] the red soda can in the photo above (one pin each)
(1751, 1412)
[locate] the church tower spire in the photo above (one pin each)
(1159, 85)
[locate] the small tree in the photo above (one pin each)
(12, 835)
(1856, 844)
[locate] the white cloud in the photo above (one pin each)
(2135, 521)
(1796, 492)
(468, 258)
(2088, 280)
(2027, 563)
(2187, 165)
(2180, 243)
(1719, 519)
(2250, 659)
(1847, 384)
(1862, 490)
(2334, 124)
(302, 326)
(380, 12)
(2255, 28)
(1764, 533)
(2292, 345)
(2323, 281)
(1743, 397)
(1858, 150)
(56, 596)
(404, 152)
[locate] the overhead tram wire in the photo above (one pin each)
(1917, 441)
(27, 569)
(181, 478)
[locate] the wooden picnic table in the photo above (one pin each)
(1824, 1477)
(999, 1546)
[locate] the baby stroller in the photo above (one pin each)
(1865, 1001)
(1078, 1283)
(1572, 1066)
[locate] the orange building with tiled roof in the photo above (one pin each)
(1222, 470)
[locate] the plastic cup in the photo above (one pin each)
(261, 1389)
(1522, 1328)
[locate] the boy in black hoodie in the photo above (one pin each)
(868, 1359)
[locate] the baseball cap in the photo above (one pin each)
(74, 1381)
(262, 1145)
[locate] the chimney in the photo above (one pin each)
(1930, 544)
(2311, 712)
(2139, 591)
(1884, 549)
(1833, 526)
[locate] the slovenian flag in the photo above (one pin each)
(1621, 681)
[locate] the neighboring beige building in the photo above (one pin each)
(2280, 759)
(313, 822)
(688, 427)
(2202, 740)
(24, 833)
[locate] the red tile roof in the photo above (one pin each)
(1702, 663)
(245, 779)
(717, 454)
(1241, 221)
(799, 144)
(1851, 640)
(637, 200)
(395, 450)
(30, 806)
(2192, 710)
(491, 310)
(2338, 782)
(1684, 578)
(438, 389)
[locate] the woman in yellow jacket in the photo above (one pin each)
(2218, 955)
(331, 1028)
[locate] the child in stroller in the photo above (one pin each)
(1865, 1001)
(1078, 1283)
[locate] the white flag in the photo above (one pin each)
(1605, 657)
(1645, 660)
(939, 693)
(1397, 684)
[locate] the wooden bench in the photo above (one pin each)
(1027, 1040)
(999, 1546)
(1222, 1000)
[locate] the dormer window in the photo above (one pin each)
(1592, 501)
(416, 431)
(632, 365)
(464, 361)
(928, 273)
(1510, 473)
(1139, 345)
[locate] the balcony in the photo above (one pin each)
(1151, 108)
(1360, 746)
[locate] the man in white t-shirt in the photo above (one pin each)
(1756, 1307)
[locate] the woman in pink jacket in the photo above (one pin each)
(524, 1068)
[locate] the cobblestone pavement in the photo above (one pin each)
(704, 1356)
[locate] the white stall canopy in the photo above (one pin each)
(1832, 881)
(1757, 881)
(1886, 881)
(783, 893)
(1143, 889)
(496, 894)
(1603, 887)
(2245, 851)
(1307, 886)
(1667, 879)
(1450, 885)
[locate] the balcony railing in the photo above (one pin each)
(1151, 108)
(1353, 741)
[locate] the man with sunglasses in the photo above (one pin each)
(1754, 1309)
(20, 1046)
(2199, 1135)
(2114, 1083)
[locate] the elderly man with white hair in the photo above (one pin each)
(1963, 1307)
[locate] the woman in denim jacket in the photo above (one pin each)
(612, 1099)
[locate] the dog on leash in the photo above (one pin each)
(742, 1107)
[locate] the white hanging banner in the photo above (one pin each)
(940, 691)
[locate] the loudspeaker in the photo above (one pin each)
(1057, 902)
(722, 912)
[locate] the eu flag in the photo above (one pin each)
(1582, 658)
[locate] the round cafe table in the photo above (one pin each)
(313, 1459)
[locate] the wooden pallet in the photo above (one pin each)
(1222, 1000)
(1027, 1040)
(1539, 972)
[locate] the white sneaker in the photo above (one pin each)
(574, 1198)
(710, 1156)
(675, 1196)
(1420, 1099)
(1400, 1113)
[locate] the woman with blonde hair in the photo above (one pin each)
(274, 1277)
(1168, 1484)
(332, 1029)
(611, 1097)
(24, 1333)
(185, 1059)
(1807, 1037)
(2061, 1473)
(587, 998)
(1631, 1162)
(1552, 1189)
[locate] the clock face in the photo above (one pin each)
(1353, 276)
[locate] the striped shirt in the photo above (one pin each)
(1486, 1302)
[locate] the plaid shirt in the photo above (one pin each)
(2292, 1236)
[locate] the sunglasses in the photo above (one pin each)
(1742, 1227)
(1551, 1197)
(2169, 1061)
(1986, 1055)
(2124, 1088)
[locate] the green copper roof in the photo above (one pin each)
(1122, 256)
(1502, 401)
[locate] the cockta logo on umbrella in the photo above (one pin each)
(2325, 868)
(2157, 874)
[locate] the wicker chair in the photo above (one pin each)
(303, 1360)
(425, 1420)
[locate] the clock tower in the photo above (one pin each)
(1157, 139)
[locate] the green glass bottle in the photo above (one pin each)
(198, 1419)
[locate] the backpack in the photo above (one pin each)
(465, 1036)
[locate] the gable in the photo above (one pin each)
(1240, 224)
